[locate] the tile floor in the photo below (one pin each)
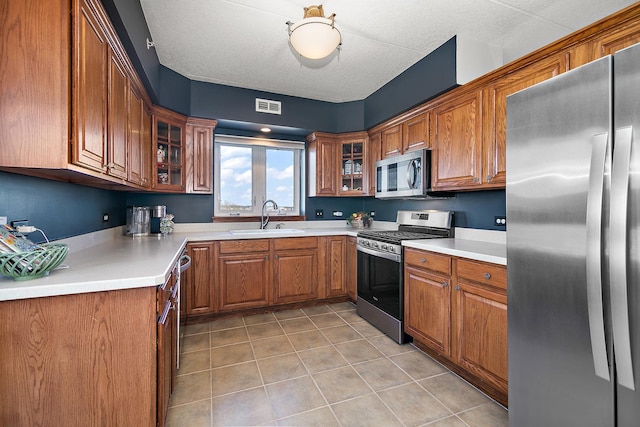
(317, 366)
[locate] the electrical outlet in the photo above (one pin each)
(337, 213)
(3, 220)
(105, 217)
(372, 214)
(500, 221)
(19, 222)
(319, 213)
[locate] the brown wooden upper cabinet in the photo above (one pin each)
(375, 154)
(168, 146)
(321, 164)
(353, 164)
(392, 141)
(457, 142)
(139, 140)
(338, 164)
(406, 134)
(495, 107)
(415, 132)
(199, 153)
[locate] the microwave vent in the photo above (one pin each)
(268, 106)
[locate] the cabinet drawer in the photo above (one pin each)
(244, 246)
(296, 243)
(428, 260)
(488, 274)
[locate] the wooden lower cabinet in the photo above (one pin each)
(427, 308)
(480, 332)
(336, 274)
(461, 316)
(167, 336)
(295, 269)
(79, 360)
(244, 270)
(232, 275)
(200, 280)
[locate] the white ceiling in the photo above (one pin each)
(244, 43)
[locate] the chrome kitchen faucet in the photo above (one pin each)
(264, 221)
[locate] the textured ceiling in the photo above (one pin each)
(244, 43)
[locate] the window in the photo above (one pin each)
(249, 171)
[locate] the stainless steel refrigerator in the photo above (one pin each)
(573, 247)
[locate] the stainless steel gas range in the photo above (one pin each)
(380, 267)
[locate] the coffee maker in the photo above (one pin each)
(157, 213)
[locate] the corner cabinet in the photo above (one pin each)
(200, 285)
(199, 155)
(338, 164)
(322, 152)
(353, 164)
(169, 149)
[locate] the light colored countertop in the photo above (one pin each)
(106, 260)
(495, 253)
(119, 262)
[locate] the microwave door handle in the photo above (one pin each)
(413, 169)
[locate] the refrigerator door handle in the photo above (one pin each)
(594, 255)
(618, 256)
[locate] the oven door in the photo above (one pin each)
(380, 280)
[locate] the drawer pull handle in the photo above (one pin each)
(423, 260)
(487, 276)
(457, 288)
(444, 284)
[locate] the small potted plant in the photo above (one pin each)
(359, 220)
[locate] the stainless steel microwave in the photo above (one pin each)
(405, 176)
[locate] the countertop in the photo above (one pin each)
(125, 262)
(112, 261)
(495, 253)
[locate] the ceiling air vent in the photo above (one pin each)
(267, 106)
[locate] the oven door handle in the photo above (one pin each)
(386, 255)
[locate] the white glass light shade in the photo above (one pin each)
(314, 38)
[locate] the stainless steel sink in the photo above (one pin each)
(267, 231)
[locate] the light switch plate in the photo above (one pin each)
(3, 220)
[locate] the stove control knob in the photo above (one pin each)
(391, 249)
(376, 245)
(384, 246)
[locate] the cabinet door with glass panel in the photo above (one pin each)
(169, 142)
(256, 177)
(353, 166)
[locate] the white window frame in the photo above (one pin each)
(258, 179)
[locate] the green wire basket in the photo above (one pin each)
(33, 264)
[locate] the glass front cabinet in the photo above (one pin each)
(169, 155)
(352, 169)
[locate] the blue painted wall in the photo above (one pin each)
(472, 209)
(60, 209)
(431, 76)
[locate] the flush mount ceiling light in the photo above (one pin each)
(315, 37)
